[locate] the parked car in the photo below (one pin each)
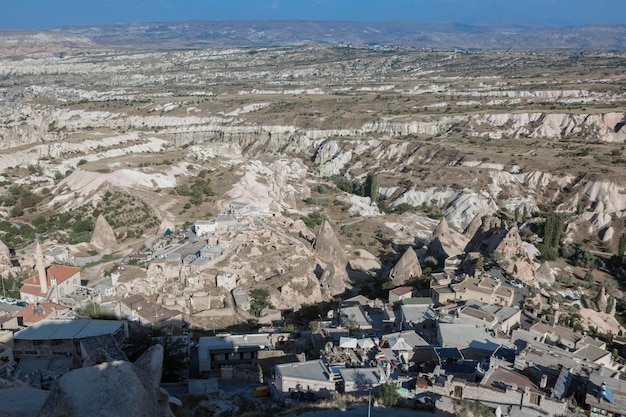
(495, 278)
(3, 300)
(516, 284)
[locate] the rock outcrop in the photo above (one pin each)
(445, 242)
(331, 253)
(545, 274)
(327, 246)
(365, 262)
(112, 389)
(21, 402)
(602, 300)
(494, 239)
(406, 268)
(334, 279)
(298, 292)
(516, 259)
(103, 236)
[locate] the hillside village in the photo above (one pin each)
(476, 326)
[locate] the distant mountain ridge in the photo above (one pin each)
(221, 34)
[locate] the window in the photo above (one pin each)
(535, 398)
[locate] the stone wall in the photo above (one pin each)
(510, 397)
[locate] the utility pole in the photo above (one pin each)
(4, 293)
(369, 403)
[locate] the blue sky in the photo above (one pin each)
(42, 14)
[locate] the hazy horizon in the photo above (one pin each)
(47, 14)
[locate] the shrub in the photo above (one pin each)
(389, 394)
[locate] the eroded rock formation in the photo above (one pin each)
(103, 236)
(406, 268)
(112, 389)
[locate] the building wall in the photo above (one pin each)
(34, 348)
(56, 291)
(442, 297)
(354, 388)
(228, 281)
(394, 298)
(512, 397)
(285, 384)
(208, 360)
(511, 322)
(204, 228)
(6, 355)
(67, 287)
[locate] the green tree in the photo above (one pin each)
(480, 264)
(621, 247)
(389, 394)
(552, 228)
(16, 211)
(259, 299)
(589, 276)
(610, 303)
(371, 187)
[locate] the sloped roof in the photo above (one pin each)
(366, 343)
(153, 313)
(400, 344)
(61, 273)
(401, 291)
(502, 376)
(68, 329)
(347, 342)
(36, 312)
(409, 336)
(563, 383)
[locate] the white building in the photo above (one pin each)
(204, 227)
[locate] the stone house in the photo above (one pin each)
(503, 387)
(485, 290)
(229, 350)
(400, 293)
(204, 228)
(58, 338)
(227, 280)
(359, 381)
(50, 283)
(148, 313)
(310, 376)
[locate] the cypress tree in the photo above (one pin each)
(371, 187)
(621, 246)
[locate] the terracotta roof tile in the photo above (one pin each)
(37, 312)
(60, 272)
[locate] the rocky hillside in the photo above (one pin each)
(194, 34)
(343, 156)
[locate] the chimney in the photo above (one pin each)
(544, 381)
(41, 269)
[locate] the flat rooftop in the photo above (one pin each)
(309, 370)
(68, 329)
